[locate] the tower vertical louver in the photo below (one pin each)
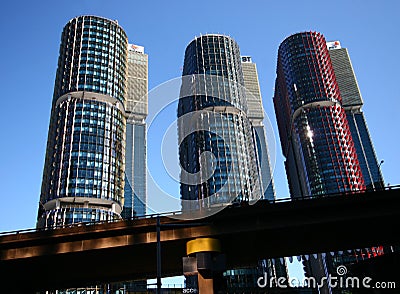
(213, 109)
(83, 178)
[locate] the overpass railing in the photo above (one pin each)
(173, 213)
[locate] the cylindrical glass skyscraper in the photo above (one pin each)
(315, 135)
(83, 178)
(216, 144)
(314, 131)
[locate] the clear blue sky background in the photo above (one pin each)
(30, 34)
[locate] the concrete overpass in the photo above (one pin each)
(126, 250)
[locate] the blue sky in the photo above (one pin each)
(30, 35)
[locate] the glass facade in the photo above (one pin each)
(216, 108)
(136, 110)
(83, 178)
(365, 150)
(212, 118)
(92, 58)
(314, 132)
(135, 183)
(317, 105)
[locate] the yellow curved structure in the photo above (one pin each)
(203, 245)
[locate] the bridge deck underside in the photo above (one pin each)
(120, 251)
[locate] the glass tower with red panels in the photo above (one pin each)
(315, 135)
(314, 132)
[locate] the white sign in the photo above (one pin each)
(136, 48)
(333, 45)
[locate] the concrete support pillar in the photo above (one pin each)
(205, 260)
(206, 285)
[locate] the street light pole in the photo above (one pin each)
(158, 229)
(381, 184)
(158, 255)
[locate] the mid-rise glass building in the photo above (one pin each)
(83, 177)
(212, 118)
(136, 112)
(255, 114)
(352, 103)
(274, 268)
